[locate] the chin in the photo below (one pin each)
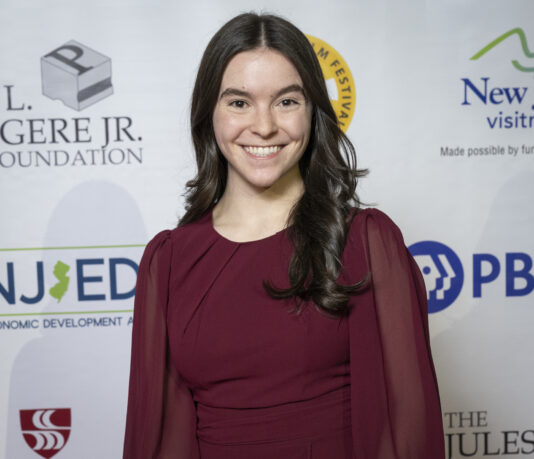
(265, 178)
(263, 183)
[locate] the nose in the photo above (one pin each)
(264, 122)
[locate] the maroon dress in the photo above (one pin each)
(220, 370)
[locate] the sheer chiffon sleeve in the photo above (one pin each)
(161, 416)
(401, 391)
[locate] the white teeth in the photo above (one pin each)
(263, 151)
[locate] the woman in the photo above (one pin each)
(278, 320)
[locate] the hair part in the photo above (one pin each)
(320, 219)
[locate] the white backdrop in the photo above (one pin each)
(449, 141)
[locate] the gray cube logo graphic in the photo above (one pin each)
(76, 74)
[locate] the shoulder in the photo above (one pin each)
(194, 232)
(377, 240)
(155, 251)
(180, 241)
(370, 223)
(182, 234)
(158, 240)
(371, 234)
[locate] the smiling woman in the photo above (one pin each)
(262, 123)
(278, 320)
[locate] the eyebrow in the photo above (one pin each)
(238, 92)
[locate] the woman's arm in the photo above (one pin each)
(402, 392)
(161, 417)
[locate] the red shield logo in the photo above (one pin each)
(46, 430)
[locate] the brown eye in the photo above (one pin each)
(288, 102)
(238, 103)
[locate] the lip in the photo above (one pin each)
(262, 156)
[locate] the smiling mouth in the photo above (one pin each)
(261, 152)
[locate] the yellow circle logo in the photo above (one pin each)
(339, 81)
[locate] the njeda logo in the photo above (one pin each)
(68, 276)
(46, 431)
(444, 274)
(9, 293)
(76, 75)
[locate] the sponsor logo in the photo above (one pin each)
(91, 274)
(339, 81)
(79, 77)
(442, 271)
(76, 74)
(510, 105)
(46, 430)
(524, 46)
(63, 281)
(468, 434)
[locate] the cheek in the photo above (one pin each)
(227, 127)
(299, 128)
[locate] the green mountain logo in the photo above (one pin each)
(60, 271)
(522, 39)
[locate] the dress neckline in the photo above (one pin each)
(211, 226)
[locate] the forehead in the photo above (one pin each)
(258, 70)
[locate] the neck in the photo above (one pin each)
(256, 211)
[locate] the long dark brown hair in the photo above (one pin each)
(321, 217)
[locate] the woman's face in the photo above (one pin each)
(262, 120)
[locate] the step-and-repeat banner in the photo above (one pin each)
(438, 98)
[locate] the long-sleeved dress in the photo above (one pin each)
(220, 370)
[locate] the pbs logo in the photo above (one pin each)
(442, 271)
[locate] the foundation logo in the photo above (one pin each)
(46, 430)
(339, 81)
(442, 271)
(76, 75)
(79, 77)
(524, 46)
